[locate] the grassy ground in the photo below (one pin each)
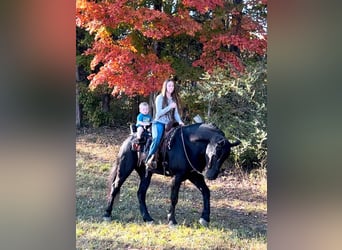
(238, 205)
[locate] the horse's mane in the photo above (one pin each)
(205, 131)
(212, 126)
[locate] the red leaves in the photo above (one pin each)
(230, 27)
(130, 72)
(221, 59)
(158, 25)
(216, 53)
(203, 6)
(128, 62)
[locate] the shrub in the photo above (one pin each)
(238, 107)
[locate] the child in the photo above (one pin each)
(143, 118)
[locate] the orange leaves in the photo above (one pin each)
(89, 15)
(130, 72)
(95, 62)
(126, 33)
(127, 43)
(81, 4)
(123, 67)
(151, 23)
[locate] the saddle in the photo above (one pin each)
(142, 147)
(144, 143)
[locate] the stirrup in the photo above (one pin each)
(140, 141)
(151, 164)
(141, 156)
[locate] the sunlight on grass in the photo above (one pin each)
(163, 237)
(105, 167)
(238, 208)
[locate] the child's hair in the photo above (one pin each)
(143, 104)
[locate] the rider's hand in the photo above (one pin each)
(173, 105)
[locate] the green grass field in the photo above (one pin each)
(238, 205)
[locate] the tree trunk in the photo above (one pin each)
(209, 110)
(105, 99)
(152, 104)
(135, 108)
(158, 5)
(236, 20)
(78, 111)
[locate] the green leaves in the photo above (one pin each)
(237, 105)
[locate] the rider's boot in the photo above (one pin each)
(151, 163)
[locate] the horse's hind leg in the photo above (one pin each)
(114, 191)
(118, 178)
(198, 181)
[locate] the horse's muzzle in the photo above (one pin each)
(212, 173)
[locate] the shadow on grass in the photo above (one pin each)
(91, 194)
(104, 244)
(107, 244)
(236, 212)
(91, 157)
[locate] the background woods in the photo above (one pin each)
(216, 50)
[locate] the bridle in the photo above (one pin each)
(186, 154)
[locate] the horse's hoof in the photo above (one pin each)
(106, 218)
(172, 225)
(203, 222)
(150, 222)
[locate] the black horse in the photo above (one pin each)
(189, 150)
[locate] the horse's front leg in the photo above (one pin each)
(198, 181)
(143, 186)
(176, 183)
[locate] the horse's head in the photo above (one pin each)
(217, 152)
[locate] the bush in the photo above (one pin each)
(238, 107)
(94, 114)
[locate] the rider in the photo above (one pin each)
(167, 103)
(143, 119)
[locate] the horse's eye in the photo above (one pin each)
(221, 142)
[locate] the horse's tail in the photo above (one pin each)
(234, 144)
(111, 181)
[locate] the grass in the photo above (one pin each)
(238, 205)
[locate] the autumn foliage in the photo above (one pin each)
(126, 35)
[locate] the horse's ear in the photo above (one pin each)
(235, 143)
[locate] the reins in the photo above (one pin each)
(186, 154)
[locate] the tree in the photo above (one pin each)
(239, 106)
(137, 44)
(231, 36)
